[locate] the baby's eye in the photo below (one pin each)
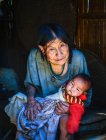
(78, 90)
(72, 83)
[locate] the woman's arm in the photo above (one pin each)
(31, 91)
(32, 104)
(31, 80)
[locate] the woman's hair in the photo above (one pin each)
(49, 32)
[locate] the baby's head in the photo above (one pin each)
(80, 84)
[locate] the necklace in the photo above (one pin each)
(54, 74)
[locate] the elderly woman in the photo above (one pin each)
(50, 65)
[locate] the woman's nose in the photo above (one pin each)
(59, 53)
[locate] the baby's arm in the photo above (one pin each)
(57, 96)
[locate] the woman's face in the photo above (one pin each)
(57, 52)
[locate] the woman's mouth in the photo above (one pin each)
(60, 59)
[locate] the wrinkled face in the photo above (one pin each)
(76, 87)
(57, 52)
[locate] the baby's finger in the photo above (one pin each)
(65, 104)
(58, 111)
(59, 108)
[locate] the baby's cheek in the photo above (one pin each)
(66, 89)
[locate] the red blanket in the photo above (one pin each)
(76, 111)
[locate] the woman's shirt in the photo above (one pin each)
(47, 83)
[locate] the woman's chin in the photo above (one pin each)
(58, 64)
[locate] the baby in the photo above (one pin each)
(74, 92)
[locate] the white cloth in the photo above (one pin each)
(45, 125)
(15, 105)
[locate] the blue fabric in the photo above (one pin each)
(40, 75)
(45, 125)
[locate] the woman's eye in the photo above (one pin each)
(63, 45)
(51, 49)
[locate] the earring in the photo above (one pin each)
(43, 53)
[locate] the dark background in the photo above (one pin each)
(84, 20)
(25, 17)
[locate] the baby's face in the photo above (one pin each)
(76, 87)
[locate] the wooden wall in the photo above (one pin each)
(91, 27)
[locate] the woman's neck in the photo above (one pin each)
(59, 69)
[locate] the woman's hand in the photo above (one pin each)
(62, 108)
(32, 108)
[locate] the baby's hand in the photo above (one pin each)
(62, 108)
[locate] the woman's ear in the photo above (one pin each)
(42, 49)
